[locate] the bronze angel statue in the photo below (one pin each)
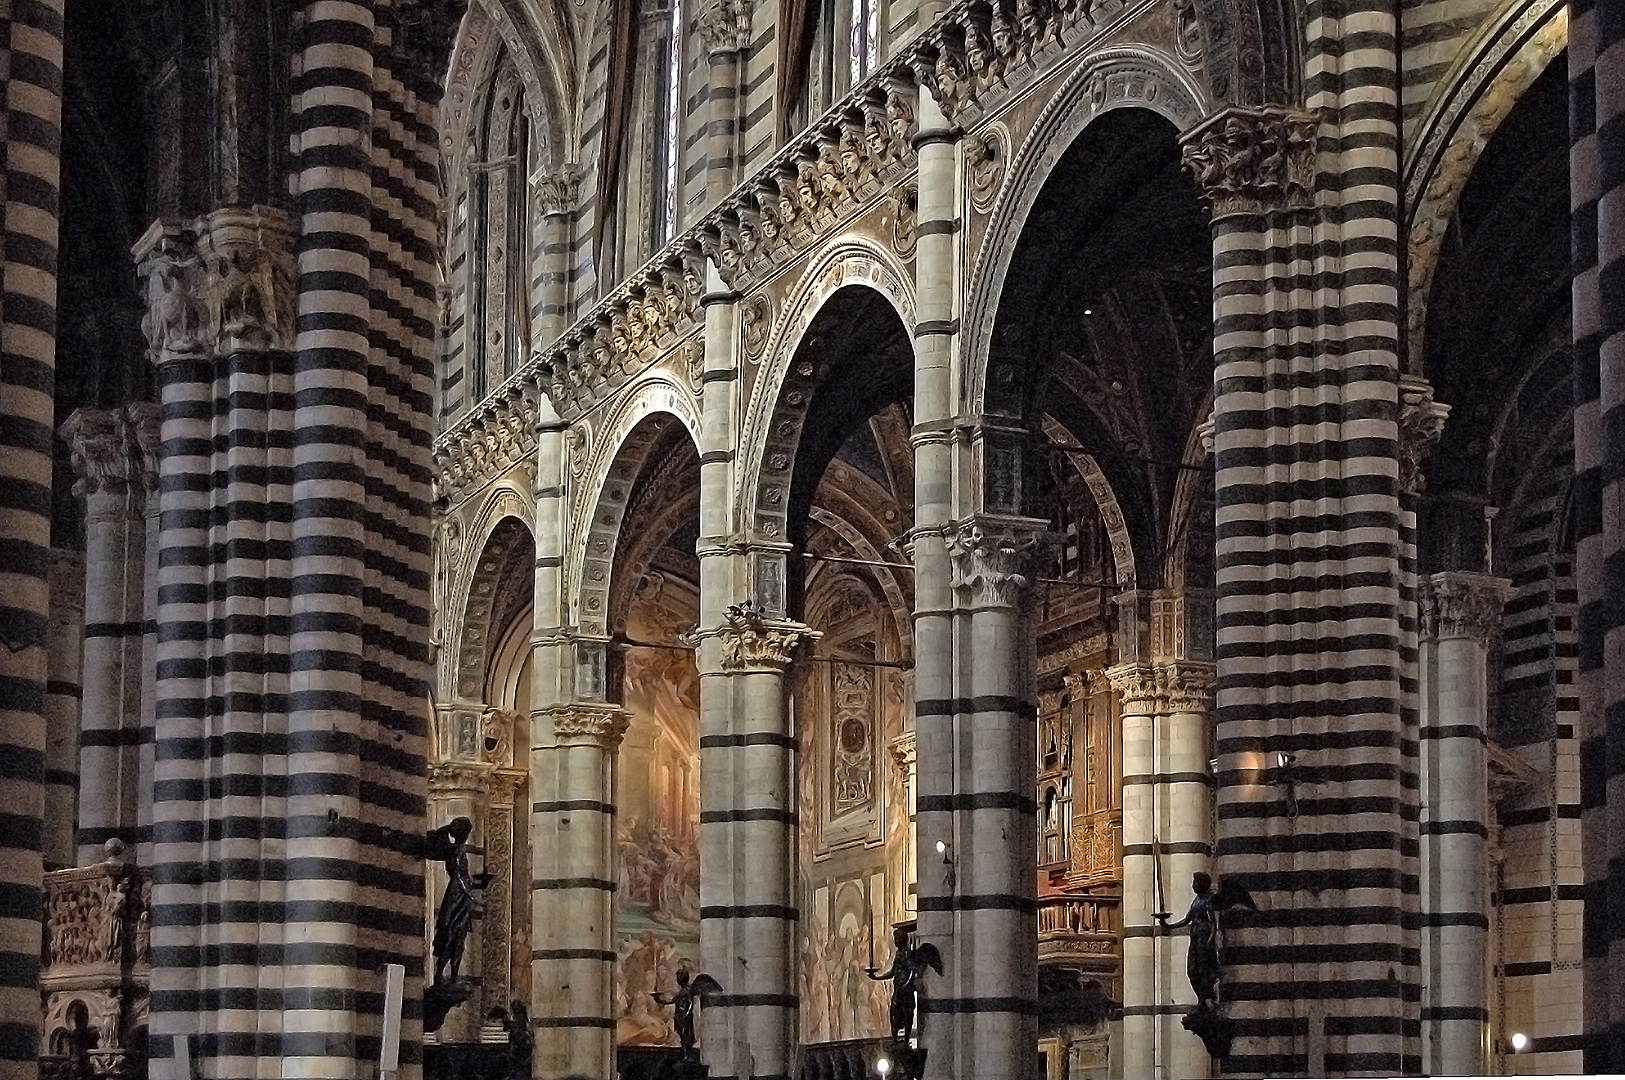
(462, 901)
(908, 965)
(682, 1015)
(1202, 961)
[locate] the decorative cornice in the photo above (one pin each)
(583, 723)
(988, 556)
(1255, 159)
(1455, 604)
(1421, 422)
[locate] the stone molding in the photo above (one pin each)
(223, 282)
(725, 26)
(585, 723)
(1421, 422)
(1255, 159)
(504, 438)
(557, 189)
(988, 556)
(1456, 604)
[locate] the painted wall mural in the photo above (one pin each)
(657, 915)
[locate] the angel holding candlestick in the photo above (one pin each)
(682, 1003)
(462, 901)
(907, 967)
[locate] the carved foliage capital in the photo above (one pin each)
(99, 448)
(759, 645)
(1255, 159)
(1460, 605)
(1137, 685)
(725, 26)
(1421, 422)
(588, 723)
(1188, 685)
(469, 778)
(557, 189)
(989, 556)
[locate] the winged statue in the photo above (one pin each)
(689, 991)
(908, 965)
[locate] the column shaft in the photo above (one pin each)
(1460, 615)
(1145, 988)
(31, 125)
(62, 694)
(114, 601)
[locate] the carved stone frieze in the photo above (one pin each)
(589, 723)
(506, 437)
(902, 208)
(989, 556)
(1255, 160)
(1421, 422)
(1461, 605)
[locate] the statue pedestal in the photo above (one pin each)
(1215, 1031)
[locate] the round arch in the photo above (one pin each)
(1117, 78)
(628, 436)
(1489, 78)
(780, 400)
(507, 554)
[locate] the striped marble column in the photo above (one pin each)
(573, 890)
(748, 910)
(1312, 558)
(62, 693)
(980, 905)
(1597, 112)
(107, 463)
(725, 31)
(1144, 991)
(31, 124)
(146, 420)
(557, 192)
(1461, 615)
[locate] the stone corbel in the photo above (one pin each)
(1255, 159)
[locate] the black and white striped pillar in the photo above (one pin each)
(31, 78)
(1597, 121)
(1315, 613)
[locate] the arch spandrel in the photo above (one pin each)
(773, 402)
(1116, 78)
(620, 444)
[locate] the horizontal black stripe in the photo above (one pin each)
(739, 1001)
(750, 911)
(943, 1005)
(1455, 1012)
(757, 738)
(973, 705)
(761, 813)
(984, 800)
(980, 902)
(569, 805)
(608, 956)
(554, 884)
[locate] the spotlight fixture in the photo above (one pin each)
(1519, 1041)
(883, 1068)
(1284, 771)
(942, 849)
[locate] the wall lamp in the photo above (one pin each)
(945, 851)
(1284, 771)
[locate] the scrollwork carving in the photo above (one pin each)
(557, 189)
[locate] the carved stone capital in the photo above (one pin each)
(1079, 684)
(505, 785)
(1138, 685)
(452, 779)
(176, 320)
(1255, 159)
(1421, 422)
(557, 189)
(249, 288)
(725, 26)
(146, 422)
(904, 753)
(756, 644)
(99, 449)
(585, 723)
(1462, 605)
(1187, 685)
(988, 556)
